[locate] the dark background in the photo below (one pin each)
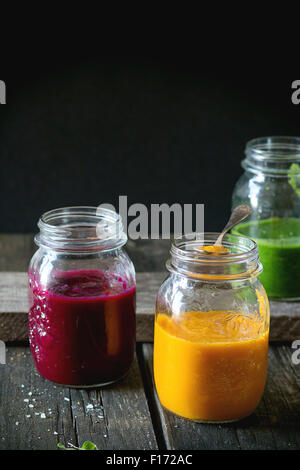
(157, 128)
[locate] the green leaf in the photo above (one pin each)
(87, 445)
(294, 177)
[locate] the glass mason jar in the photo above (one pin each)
(81, 298)
(211, 331)
(271, 186)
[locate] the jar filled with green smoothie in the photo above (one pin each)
(270, 185)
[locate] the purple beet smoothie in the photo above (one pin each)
(82, 327)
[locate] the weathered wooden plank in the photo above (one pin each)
(36, 414)
(24, 400)
(274, 425)
(148, 255)
(16, 251)
(285, 316)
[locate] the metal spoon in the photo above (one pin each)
(238, 214)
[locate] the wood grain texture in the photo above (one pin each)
(36, 414)
(285, 316)
(16, 251)
(275, 425)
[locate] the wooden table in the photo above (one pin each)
(35, 414)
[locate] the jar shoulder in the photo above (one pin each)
(178, 295)
(268, 195)
(47, 264)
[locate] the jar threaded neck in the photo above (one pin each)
(81, 229)
(272, 155)
(241, 262)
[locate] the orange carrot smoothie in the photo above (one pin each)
(210, 366)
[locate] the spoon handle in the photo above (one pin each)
(238, 214)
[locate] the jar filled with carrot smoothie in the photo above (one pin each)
(81, 298)
(211, 330)
(270, 185)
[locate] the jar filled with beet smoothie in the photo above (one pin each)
(211, 330)
(270, 185)
(81, 298)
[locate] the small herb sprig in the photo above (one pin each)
(294, 177)
(87, 445)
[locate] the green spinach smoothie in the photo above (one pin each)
(278, 241)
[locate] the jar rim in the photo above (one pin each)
(274, 155)
(204, 265)
(81, 229)
(275, 147)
